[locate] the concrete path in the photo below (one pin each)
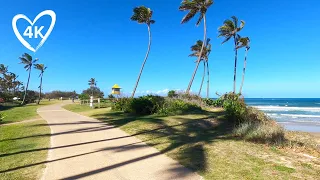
(85, 148)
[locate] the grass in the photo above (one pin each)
(15, 141)
(205, 143)
(16, 112)
(77, 108)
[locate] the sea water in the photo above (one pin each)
(293, 113)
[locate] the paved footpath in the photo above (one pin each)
(85, 148)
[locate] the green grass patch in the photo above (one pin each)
(16, 112)
(205, 142)
(15, 140)
(284, 169)
(77, 108)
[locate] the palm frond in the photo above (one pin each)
(235, 21)
(200, 19)
(226, 39)
(189, 16)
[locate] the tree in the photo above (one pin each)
(27, 60)
(243, 42)
(92, 83)
(229, 30)
(194, 7)
(95, 90)
(205, 58)
(41, 68)
(143, 15)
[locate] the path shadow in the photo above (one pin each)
(186, 136)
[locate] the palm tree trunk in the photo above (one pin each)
(144, 62)
(235, 64)
(40, 89)
(198, 61)
(204, 74)
(25, 92)
(208, 82)
(244, 70)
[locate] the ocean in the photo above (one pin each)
(301, 114)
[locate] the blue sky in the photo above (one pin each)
(97, 39)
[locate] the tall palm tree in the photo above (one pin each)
(28, 62)
(41, 68)
(92, 83)
(205, 58)
(229, 30)
(243, 42)
(143, 15)
(194, 7)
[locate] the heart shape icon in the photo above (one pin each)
(22, 16)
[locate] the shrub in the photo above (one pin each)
(121, 104)
(84, 96)
(172, 94)
(110, 96)
(178, 106)
(251, 123)
(157, 102)
(269, 132)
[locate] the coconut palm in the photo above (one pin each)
(143, 15)
(194, 7)
(28, 62)
(205, 58)
(229, 30)
(41, 68)
(92, 83)
(243, 42)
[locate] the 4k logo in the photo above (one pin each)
(33, 31)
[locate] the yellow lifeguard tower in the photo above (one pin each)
(116, 89)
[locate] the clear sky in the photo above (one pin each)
(96, 38)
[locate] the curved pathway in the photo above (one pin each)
(85, 148)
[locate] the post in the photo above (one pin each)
(91, 101)
(99, 102)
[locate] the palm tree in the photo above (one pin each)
(205, 58)
(243, 42)
(194, 7)
(92, 83)
(229, 30)
(143, 15)
(27, 60)
(41, 68)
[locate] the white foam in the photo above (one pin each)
(282, 108)
(301, 115)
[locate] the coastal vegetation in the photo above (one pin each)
(201, 134)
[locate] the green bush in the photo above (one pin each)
(157, 102)
(234, 106)
(214, 103)
(251, 123)
(121, 104)
(84, 97)
(172, 94)
(178, 106)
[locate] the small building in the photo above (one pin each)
(116, 89)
